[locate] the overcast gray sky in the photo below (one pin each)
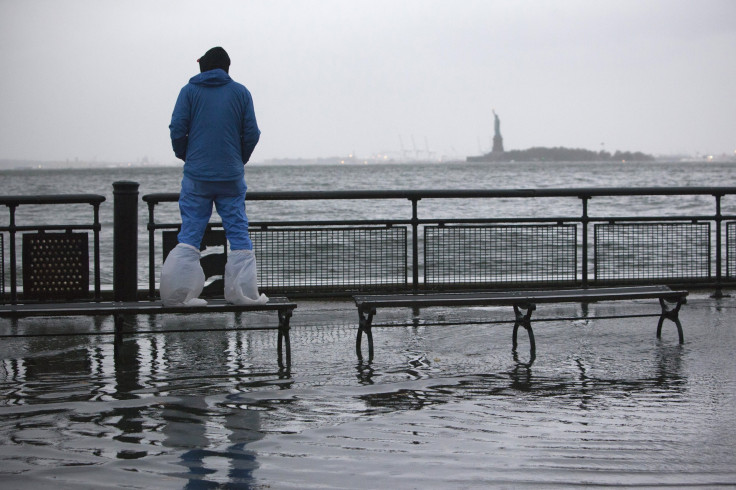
(97, 79)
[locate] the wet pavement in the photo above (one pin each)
(192, 401)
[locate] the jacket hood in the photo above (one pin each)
(211, 78)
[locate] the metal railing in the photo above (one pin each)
(647, 241)
(13, 202)
(349, 255)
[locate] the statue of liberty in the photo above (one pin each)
(497, 139)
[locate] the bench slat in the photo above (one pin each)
(135, 307)
(519, 297)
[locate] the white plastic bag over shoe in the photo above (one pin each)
(182, 277)
(241, 279)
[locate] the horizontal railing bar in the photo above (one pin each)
(583, 192)
(372, 222)
(563, 219)
(444, 221)
(52, 199)
(48, 227)
(261, 224)
(689, 218)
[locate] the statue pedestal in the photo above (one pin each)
(497, 144)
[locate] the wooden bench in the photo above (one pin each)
(119, 309)
(520, 300)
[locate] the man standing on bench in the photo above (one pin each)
(213, 129)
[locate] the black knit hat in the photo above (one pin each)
(213, 59)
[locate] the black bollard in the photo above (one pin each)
(125, 241)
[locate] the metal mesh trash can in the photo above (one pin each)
(55, 266)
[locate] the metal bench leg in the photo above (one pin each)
(365, 319)
(283, 337)
(671, 314)
(524, 320)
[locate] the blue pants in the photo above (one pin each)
(195, 205)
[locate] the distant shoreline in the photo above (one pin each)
(561, 154)
(6, 165)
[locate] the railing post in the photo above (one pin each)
(151, 253)
(96, 233)
(125, 241)
(13, 258)
(415, 244)
(719, 218)
(584, 221)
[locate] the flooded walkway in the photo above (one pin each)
(444, 404)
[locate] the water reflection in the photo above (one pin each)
(669, 366)
(365, 372)
(152, 396)
(128, 420)
(586, 389)
(528, 363)
(521, 374)
(211, 443)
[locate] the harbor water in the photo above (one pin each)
(196, 401)
(535, 175)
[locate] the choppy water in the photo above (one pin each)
(604, 403)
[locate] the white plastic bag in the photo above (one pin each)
(182, 277)
(241, 279)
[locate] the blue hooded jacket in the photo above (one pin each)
(213, 127)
